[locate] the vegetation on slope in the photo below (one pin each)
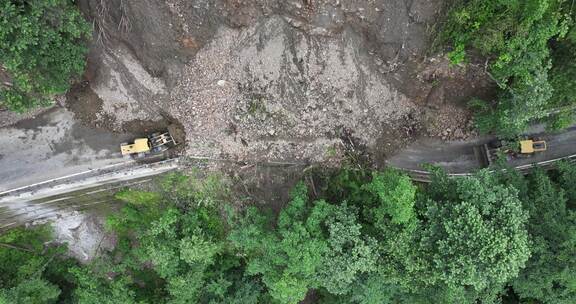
(368, 238)
(529, 45)
(42, 46)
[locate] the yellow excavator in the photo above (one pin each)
(153, 144)
(523, 148)
(530, 146)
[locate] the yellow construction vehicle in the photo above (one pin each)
(155, 143)
(530, 146)
(523, 148)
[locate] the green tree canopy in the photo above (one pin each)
(515, 36)
(549, 274)
(480, 239)
(289, 258)
(26, 266)
(366, 238)
(42, 46)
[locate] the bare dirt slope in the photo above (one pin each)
(275, 79)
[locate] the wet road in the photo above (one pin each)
(99, 199)
(94, 193)
(460, 157)
(54, 145)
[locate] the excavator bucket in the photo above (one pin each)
(155, 143)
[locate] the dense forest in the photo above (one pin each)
(363, 237)
(43, 45)
(529, 46)
(357, 236)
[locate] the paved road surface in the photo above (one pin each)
(456, 157)
(77, 193)
(96, 199)
(54, 145)
(459, 157)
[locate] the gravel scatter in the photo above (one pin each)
(269, 92)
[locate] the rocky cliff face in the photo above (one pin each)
(265, 79)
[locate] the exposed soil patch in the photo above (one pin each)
(404, 132)
(86, 106)
(282, 95)
(449, 122)
(450, 88)
(143, 127)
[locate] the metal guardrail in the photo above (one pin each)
(423, 176)
(82, 175)
(75, 192)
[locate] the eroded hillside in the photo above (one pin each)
(275, 80)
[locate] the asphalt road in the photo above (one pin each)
(98, 199)
(459, 157)
(454, 157)
(54, 145)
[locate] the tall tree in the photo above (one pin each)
(479, 240)
(567, 182)
(172, 248)
(26, 266)
(549, 274)
(287, 259)
(515, 36)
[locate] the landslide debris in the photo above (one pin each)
(268, 92)
(275, 80)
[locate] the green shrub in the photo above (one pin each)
(42, 46)
(458, 55)
(560, 121)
